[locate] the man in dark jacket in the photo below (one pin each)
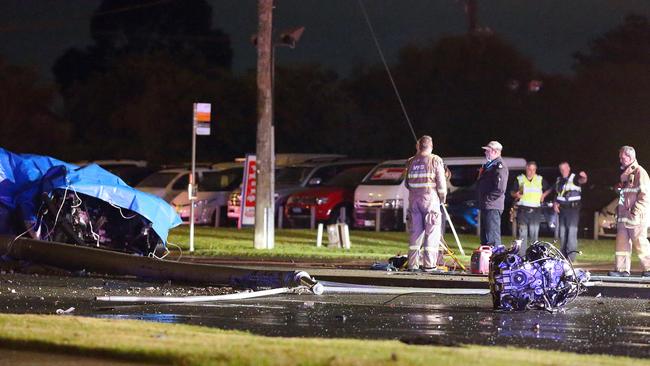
(492, 181)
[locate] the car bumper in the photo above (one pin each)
(201, 215)
(304, 213)
(391, 218)
(233, 212)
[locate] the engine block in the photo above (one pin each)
(542, 279)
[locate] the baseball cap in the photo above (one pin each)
(495, 145)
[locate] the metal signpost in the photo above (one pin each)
(200, 126)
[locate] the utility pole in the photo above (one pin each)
(264, 200)
(472, 18)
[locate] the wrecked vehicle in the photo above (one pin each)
(543, 279)
(56, 201)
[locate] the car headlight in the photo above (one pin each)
(393, 203)
(321, 200)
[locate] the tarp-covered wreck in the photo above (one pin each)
(49, 199)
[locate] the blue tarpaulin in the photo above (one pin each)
(22, 172)
(24, 177)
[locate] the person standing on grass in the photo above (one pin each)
(492, 181)
(427, 186)
(529, 192)
(632, 215)
(568, 188)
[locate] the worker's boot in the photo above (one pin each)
(618, 274)
(645, 274)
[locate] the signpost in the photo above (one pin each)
(200, 126)
(249, 192)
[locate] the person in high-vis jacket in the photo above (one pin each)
(632, 215)
(427, 186)
(529, 192)
(568, 193)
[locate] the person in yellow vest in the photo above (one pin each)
(633, 215)
(529, 192)
(426, 183)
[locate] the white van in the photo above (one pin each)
(383, 188)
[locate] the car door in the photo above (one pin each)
(179, 185)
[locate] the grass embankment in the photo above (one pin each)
(300, 244)
(194, 345)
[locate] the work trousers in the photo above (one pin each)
(626, 238)
(568, 231)
(424, 222)
(490, 227)
(528, 219)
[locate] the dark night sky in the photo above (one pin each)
(36, 32)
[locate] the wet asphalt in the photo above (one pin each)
(617, 326)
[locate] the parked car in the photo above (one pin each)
(327, 199)
(168, 183)
(292, 178)
(606, 220)
(130, 171)
(383, 189)
(212, 197)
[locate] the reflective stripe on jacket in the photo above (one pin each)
(633, 196)
(569, 191)
(531, 191)
(425, 174)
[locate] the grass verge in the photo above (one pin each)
(300, 244)
(193, 345)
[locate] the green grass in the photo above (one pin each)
(193, 345)
(300, 244)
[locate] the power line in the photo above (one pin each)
(383, 60)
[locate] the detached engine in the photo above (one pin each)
(543, 279)
(76, 218)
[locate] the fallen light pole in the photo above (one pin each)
(75, 258)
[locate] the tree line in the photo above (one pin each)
(129, 95)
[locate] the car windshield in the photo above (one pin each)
(158, 180)
(130, 174)
(463, 175)
(293, 175)
(350, 177)
(223, 180)
(385, 175)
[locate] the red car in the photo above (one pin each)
(328, 198)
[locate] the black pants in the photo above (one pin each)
(491, 227)
(568, 227)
